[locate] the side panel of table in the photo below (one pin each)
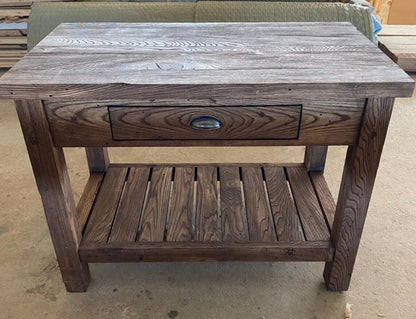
(52, 179)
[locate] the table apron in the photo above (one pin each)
(282, 122)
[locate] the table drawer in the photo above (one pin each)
(195, 123)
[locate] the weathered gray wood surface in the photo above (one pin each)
(203, 61)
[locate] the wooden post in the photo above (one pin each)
(315, 157)
(52, 179)
(356, 187)
(97, 159)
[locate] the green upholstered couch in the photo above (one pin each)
(44, 17)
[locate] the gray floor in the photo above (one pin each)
(383, 284)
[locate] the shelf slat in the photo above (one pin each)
(313, 224)
(233, 213)
(180, 218)
(127, 219)
(155, 211)
(99, 225)
(286, 218)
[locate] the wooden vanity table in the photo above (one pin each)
(99, 85)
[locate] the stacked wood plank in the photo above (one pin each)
(14, 15)
(399, 43)
(13, 31)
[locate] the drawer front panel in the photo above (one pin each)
(233, 123)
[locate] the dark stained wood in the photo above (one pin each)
(49, 168)
(153, 222)
(360, 171)
(180, 217)
(206, 251)
(233, 212)
(127, 219)
(221, 221)
(204, 60)
(102, 215)
(324, 196)
(315, 157)
(88, 197)
(310, 212)
(98, 160)
(169, 123)
(207, 222)
(323, 121)
(285, 215)
(260, 221)
(207, 164)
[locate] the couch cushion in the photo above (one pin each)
(44, 17)
(260, 11)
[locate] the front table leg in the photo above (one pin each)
(357, 184)
(49, 167)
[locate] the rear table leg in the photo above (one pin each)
(97, 159)
(315, 157)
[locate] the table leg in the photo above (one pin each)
(97, 159)
(315, 157)
(49, 167)
(356, 187)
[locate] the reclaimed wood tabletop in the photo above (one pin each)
(116, 60)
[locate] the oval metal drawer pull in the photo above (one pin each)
(206, 122)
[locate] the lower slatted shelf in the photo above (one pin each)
(206, 213)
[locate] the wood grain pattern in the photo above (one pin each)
(315, 158)
(98, 159)
(180, 218)
(324, 196)
(126, 221)
(310, 212)
(153, 222)
(221, 221)
(204, 60)
(260, 221)
(208, 223)
(285, 215)
(233, 212)
(360, 171)
(206, 251)
(49, 168)
(170, 123)
(87, 198)
(102, 215)
(323, 121)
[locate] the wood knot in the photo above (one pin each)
(290, 251)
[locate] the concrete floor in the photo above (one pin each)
(383, 284)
